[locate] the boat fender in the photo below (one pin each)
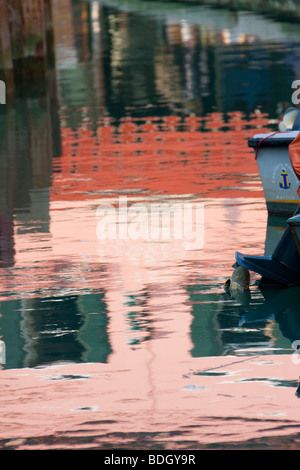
(240, 279)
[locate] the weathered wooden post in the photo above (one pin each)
(16, 38)
(30, 31)
(49, 33)
(6, 63)
(5, 46)
(34, 35)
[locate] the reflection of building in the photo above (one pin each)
(196, 60)
(27, 146)
(215, 326)
(47, 330)
(158, 156)
(121, 135)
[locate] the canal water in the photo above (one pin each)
(147, 114)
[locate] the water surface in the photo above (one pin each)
(157, 121)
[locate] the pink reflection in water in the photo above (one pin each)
(175, 160)
(152, 388)
(153, 398)
(71, 257)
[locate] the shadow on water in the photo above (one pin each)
(281, 305)
(258, 321)
(221, 325)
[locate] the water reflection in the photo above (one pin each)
(222, 326)
(158, 156)
(280, 305)
(30, 138)
(43, 331)
(74, 328)
(173, 127)
(146, 323)
(198, 60)
(260, 321)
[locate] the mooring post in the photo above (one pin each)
(5, 46)
(16, 36)
(6, 63)
(49, 33)
(34, 35)
(29, 22)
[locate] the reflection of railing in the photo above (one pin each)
(169, 155)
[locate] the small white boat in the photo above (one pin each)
(279, 180)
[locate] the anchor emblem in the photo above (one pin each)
(284, 184)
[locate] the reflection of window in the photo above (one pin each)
(138, 320)
(55, 329)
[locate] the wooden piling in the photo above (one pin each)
(49, 33)
(26, 40)
(26, 21)
(6, 64)
(5, 46)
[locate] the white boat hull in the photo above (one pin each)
(279, 180)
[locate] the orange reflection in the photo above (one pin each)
(167, 157)
(157, 158)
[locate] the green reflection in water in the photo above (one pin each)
(55, 329)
